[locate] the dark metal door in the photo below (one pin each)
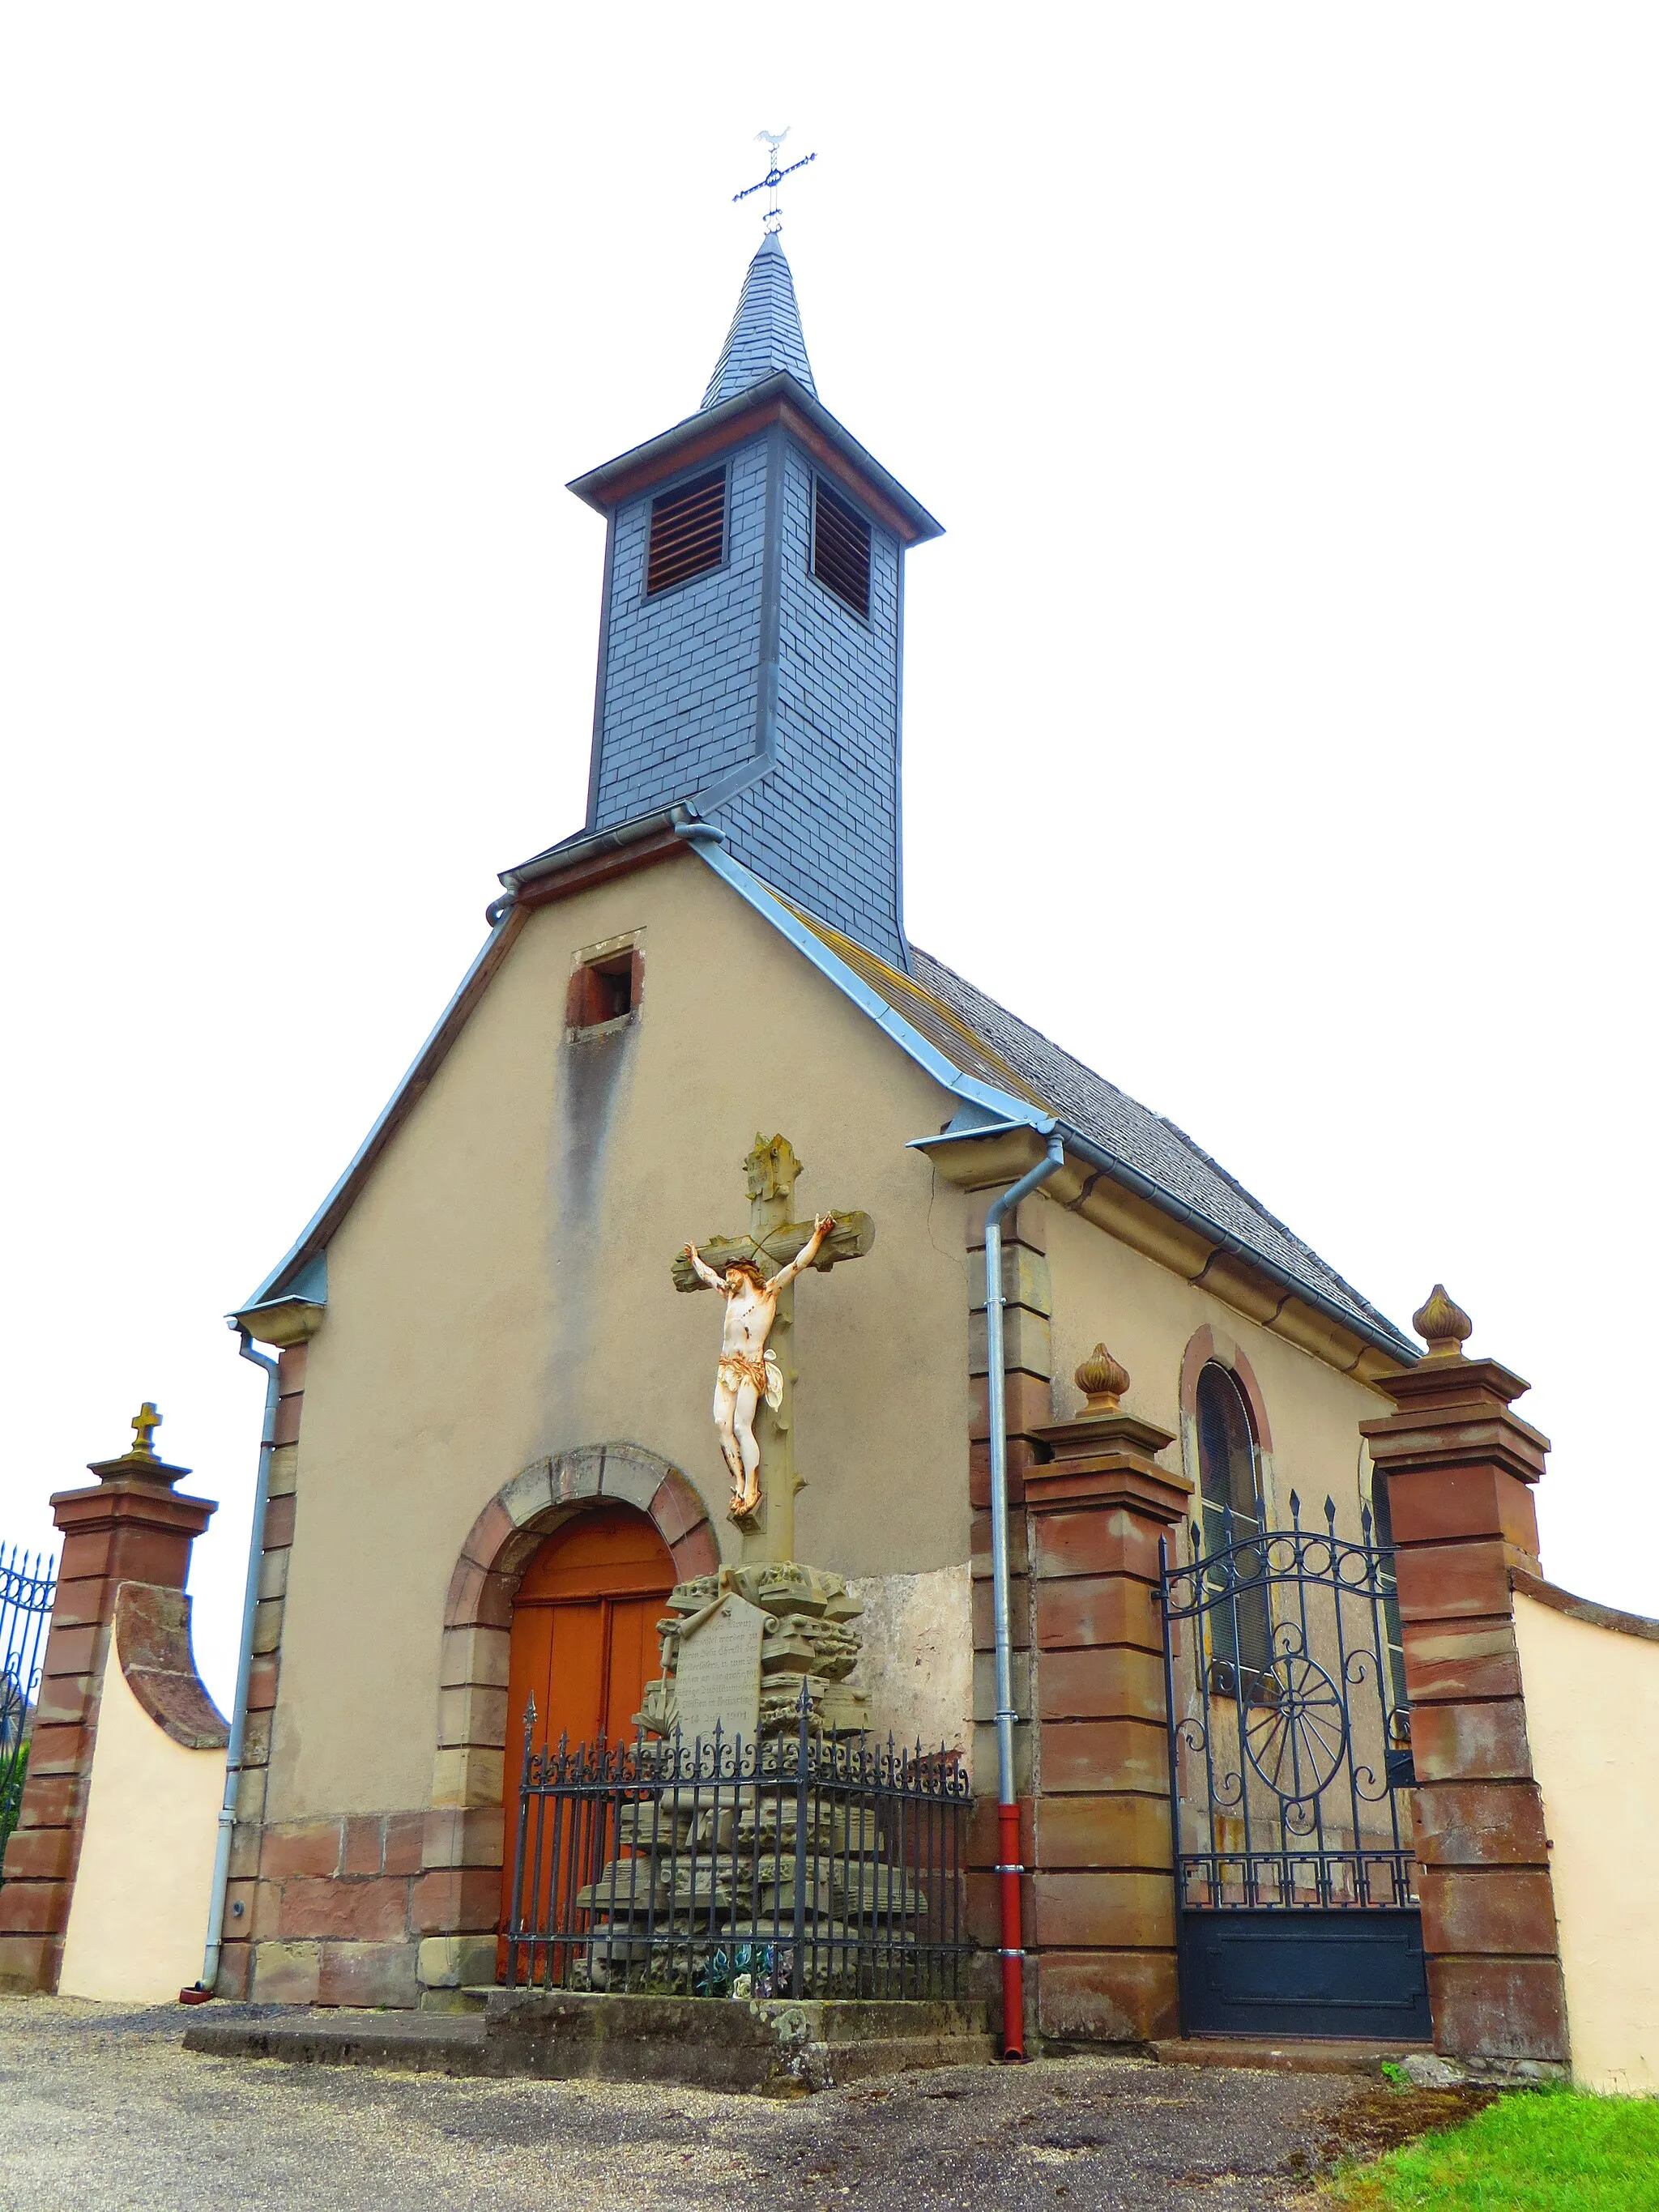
(1289, 1750)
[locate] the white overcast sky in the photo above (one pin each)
(1281, 704)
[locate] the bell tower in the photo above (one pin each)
(751, 629)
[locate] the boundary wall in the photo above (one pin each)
(1591, 1678)
(107, 1872)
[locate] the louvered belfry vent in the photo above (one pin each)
(840, 548)
(688, 531)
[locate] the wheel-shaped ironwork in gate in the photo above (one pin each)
(1296, 1733)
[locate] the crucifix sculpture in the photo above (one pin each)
(754, 1389)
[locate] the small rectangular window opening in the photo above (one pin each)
(605, 990)
(840, 548)
(688, 531)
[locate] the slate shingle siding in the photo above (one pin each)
(681, 700)
(680, 669)
(823, 824)
(765, 333)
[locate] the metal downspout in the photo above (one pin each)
(207, 1985)
(1009, 1868)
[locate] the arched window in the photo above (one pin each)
(1227, 1457)
(1231, 1513)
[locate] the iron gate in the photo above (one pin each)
(1290, 1749)
(27, 1586)
(801, 1865)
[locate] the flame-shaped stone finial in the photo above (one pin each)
(1442, 1324)
(1102, 1381)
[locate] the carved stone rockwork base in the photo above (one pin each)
(762, 1859)
(809, 1639)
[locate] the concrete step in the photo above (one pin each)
(776, 2048)
(410, 2042)
(1332, 2055)
(451, 2002)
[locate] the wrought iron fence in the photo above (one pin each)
(28, 1583)
(1289, 1737)
(804, 1866)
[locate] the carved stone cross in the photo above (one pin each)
(145, 1423)
(774, 1239)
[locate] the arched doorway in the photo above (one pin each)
(584, 1641)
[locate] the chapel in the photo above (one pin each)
(699, 1020)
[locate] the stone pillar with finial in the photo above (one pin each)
(1460, 1469)
(1101, 1891)
(129, 1527)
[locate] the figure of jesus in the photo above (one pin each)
(748, 1372)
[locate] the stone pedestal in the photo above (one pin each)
(711, 1860)
(1102, 1913)
(808, 1640)
(1460, 1468)
(129, 1527)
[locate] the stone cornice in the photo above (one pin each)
(1455, 1411)
(1201, 1258)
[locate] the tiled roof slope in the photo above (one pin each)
(1143, 1140)
(985, 1040)
(765, 334)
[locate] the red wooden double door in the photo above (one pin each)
(584, 1641)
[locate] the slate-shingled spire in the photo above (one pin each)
(765, 334)
(742, 677)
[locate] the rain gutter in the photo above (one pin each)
(1008, 1869)
(1006, 1111)
(209, 1982)
(1118, 1172)
(593, 845)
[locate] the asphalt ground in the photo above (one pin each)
(100, 2108)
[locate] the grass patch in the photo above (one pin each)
(1550, 2151)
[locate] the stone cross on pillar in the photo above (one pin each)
(774, 1239)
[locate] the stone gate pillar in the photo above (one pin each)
(1460, 1466)
(1103, 1912)
(129, 1527)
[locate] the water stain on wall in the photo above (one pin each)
(593, 1079)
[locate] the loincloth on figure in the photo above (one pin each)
(737, 1368)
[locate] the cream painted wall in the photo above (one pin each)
(138, 1918)
(917, 1663)
(501, 1289)
(1593, 1720)
(1148, 1316)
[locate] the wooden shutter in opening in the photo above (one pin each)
(688, 531)
(840, 549)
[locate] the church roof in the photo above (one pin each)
(714, 427)
(986, 1042)
(1163, 1153)
(765, 334)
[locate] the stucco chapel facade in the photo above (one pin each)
(481, 1343)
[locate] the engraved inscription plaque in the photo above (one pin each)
(718, 1676)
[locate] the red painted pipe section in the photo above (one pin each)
(1014, 1956)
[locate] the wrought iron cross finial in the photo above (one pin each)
(145, 1422)
(772, 140)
